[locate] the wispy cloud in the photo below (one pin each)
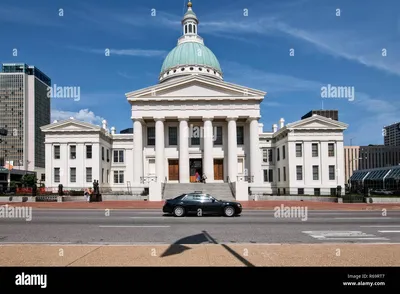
(372, 112)
(123, 52)
(41, 17)
(267, 81)
(83, 115)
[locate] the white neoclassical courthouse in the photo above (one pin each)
(194, 121)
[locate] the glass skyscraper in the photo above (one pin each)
(24, 108)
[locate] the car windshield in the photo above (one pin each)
(212, 197)
(180, 196)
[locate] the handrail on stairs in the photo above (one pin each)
(163, 187)
(231, 187)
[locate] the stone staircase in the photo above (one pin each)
(218, 190)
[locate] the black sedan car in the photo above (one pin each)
(201, 204)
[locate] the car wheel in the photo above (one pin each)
(229, 211)
(179, 211)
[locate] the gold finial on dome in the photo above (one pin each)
(189, 4)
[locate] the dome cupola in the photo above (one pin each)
(190, 56)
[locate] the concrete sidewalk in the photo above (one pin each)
(253, 205)
(202, 255)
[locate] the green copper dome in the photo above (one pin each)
(190, 53)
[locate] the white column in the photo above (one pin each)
(183, 150)
(232, 149)
(160, 145)
(255, 162)
(137, 150)
(208, 144)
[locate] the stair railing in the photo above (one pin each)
(163, 187)
(231, 186)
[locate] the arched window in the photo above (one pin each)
(194, 29)
(185, 29)
(190, 28)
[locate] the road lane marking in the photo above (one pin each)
(16, 243)
(389, 231)
(342, 235)
(381, 226)
(351, 238)
(134, 226)
(382, 217)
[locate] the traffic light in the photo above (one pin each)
(3, 132)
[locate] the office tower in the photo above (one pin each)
(24, 108)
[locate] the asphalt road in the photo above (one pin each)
(151, 226)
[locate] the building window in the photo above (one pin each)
(195, 134)
(56, 152)
(88, 151)
(331, 149)
(108, 176)
(270, 155)
(333, 192)
(43, 177)
(240, 135)
(299, 172)
(299, 150)
(315, 172)
(118, 156)
(72, 175)
(88, 174)
(283, 152)
(317, 191)
(300, 191)
(108, 155)
(314, 150)
(284, 191)
(151, 136)
(173, 136)
(190, 28)
(102, 153)
(279, 174)
(265, 175)
(331, 172)
(284, 173)
(271, 175)
(118, 177)
(72, 152)
(278, 155)
(218, 137)
(56, 175)
(102, 175)
(265, 155)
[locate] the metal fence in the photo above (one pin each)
(69, 191)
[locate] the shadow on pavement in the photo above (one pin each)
(178, 246)
(231, 251)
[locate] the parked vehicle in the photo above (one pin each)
(201, 204)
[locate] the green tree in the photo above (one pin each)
(29, 180)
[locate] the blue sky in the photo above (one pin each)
(253, 51)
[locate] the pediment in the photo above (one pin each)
(70, 125)
(318, 122)
(195, 86)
